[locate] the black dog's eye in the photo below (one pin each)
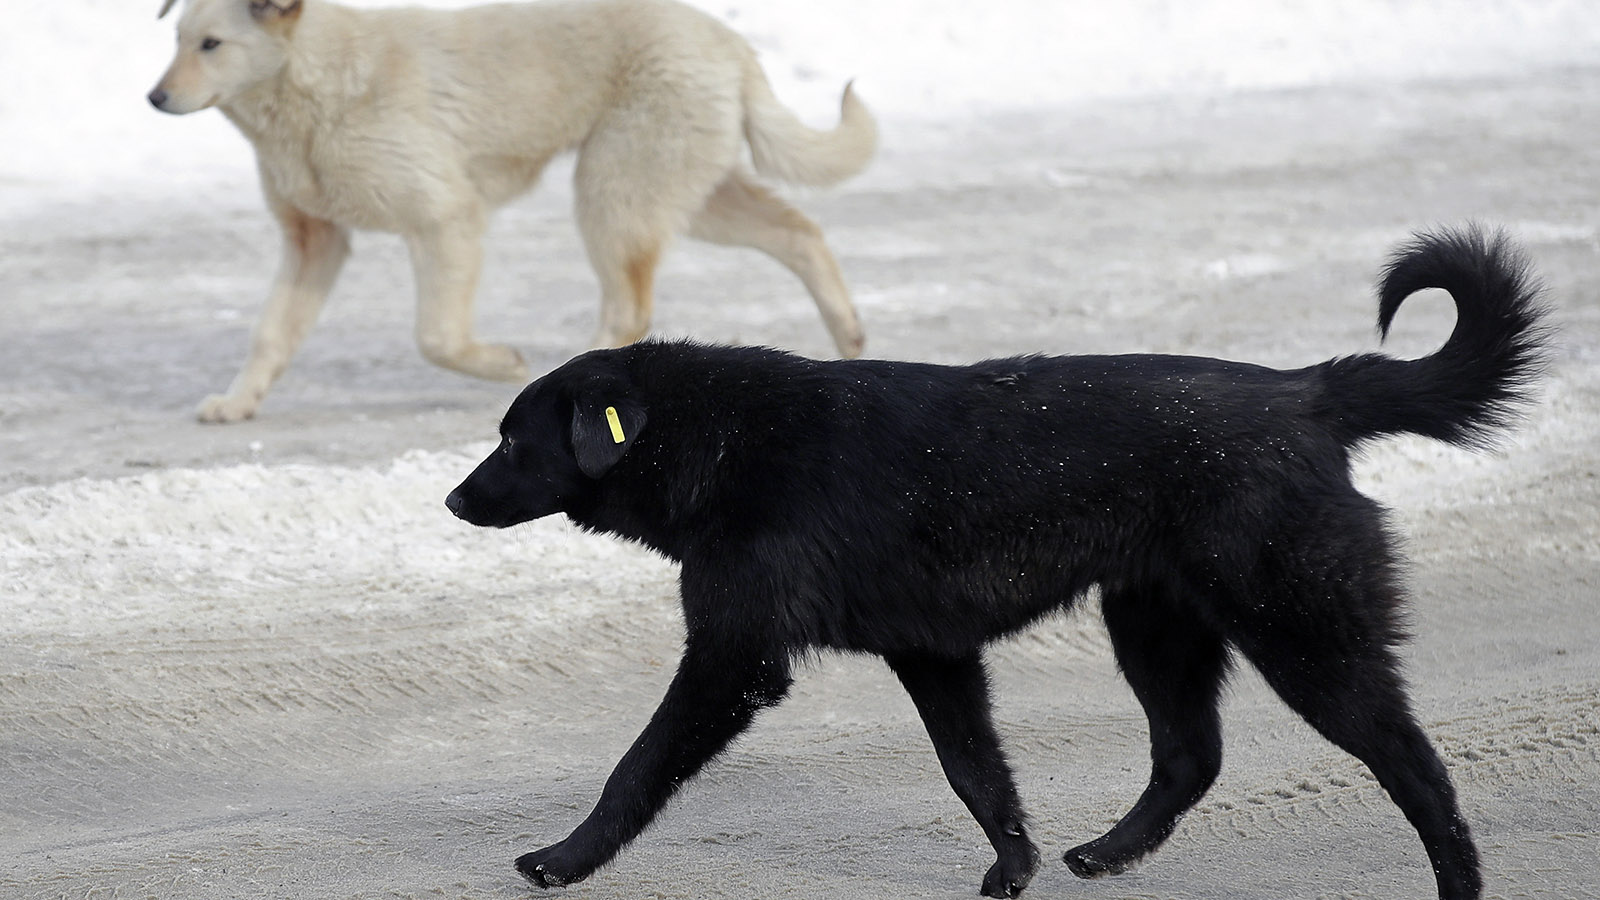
(505, 446)
(210, 43)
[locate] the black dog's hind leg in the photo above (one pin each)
(1176, 665)
(952, 695)
(1321, 630)
(1354, 696)
(715, 695)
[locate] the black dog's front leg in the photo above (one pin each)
(714, 696)
(953, 697)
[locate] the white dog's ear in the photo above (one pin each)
(603, 430)
(265, 11)
(166, 7)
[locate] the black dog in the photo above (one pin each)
(918, 512)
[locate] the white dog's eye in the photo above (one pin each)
(210, 43)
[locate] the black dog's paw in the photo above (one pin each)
(552, 867)
(1012, 872)
(1002, 883)
(1088, 861)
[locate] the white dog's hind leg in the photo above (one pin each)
(447, 259)
(625, 228)
(627, 295)
(641, 174)
(743, 212)
(314, 250)
(624, 237)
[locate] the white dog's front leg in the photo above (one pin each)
(314, 250)
(447, 259)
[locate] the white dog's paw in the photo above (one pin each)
(502, 363)
(224, 408)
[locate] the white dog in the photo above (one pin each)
(421, 122)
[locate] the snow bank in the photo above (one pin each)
(86, 551)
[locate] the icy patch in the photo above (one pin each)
(929, 297)
(1247, 265)
(1528, 231)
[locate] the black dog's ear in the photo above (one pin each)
(604, 430)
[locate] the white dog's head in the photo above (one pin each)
(225, 47)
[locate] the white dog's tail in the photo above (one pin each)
(787, 149)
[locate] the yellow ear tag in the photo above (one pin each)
(616, 425)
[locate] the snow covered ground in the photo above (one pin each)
(262, 660)
(79, 69)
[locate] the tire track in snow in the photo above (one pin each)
(1549, 735)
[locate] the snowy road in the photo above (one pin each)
(263, 661)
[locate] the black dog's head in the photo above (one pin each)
(561, 435)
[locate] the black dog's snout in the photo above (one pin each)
(454, 502)
(157, 97)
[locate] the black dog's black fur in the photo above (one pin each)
(919, 512)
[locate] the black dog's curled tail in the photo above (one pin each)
(1481, 379)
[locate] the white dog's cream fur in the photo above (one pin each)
(421, 122)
